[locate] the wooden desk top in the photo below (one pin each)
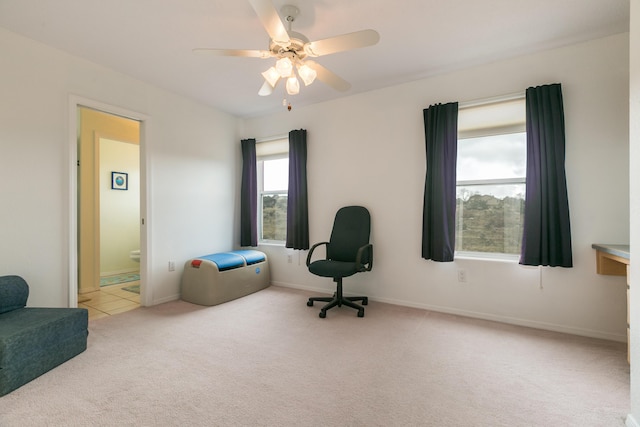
(618, 250)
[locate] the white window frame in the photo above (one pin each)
(271, 149)
(489, 131)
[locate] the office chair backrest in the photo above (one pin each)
(351, 229)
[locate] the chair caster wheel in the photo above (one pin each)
(360, 313)
(365, 301)
(322, 314)
(309, 303)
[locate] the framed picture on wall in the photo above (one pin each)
(119, 181)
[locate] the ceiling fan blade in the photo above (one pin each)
(329, 77)
(271, 21)
(233, 52)
(341, 43)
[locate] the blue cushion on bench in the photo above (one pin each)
(225, 260)
(251, 256)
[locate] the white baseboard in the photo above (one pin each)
(303, 288)
(484, 316)
(166, 299)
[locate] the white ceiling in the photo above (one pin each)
(152, 39)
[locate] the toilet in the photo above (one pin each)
(135, 255)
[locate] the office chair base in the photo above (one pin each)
(339, 300)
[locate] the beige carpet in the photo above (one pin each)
(269, 360)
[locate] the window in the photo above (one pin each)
(491, 172)
(273, 183)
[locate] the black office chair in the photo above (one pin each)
(347, 252)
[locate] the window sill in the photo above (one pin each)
(273, 243)
(484, 256)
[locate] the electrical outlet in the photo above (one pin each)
(172, 265)
(462, 275)
(289, 258)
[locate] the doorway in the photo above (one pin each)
(107, 236)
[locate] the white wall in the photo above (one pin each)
(634, 160)
(119, 209)
(369, 149)
(191, 155)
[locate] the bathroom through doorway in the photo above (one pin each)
(109, 195)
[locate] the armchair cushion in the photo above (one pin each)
(34, 332)
(14, 292)
(35, 340)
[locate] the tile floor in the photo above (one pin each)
(109, 300)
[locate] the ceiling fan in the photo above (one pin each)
(292, 50)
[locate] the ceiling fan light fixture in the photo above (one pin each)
(284, 67)
(307, 74)
(266, 89)
(271, 76)
(293, 86)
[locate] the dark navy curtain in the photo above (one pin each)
(249, 195)
(439, 211)
(297, 206)
(547, 233)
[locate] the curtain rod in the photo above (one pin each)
(492, 100)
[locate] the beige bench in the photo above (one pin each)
(221, 277)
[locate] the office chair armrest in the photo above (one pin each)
(312, 249)
(366, 266)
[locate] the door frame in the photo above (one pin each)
(74, 103)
